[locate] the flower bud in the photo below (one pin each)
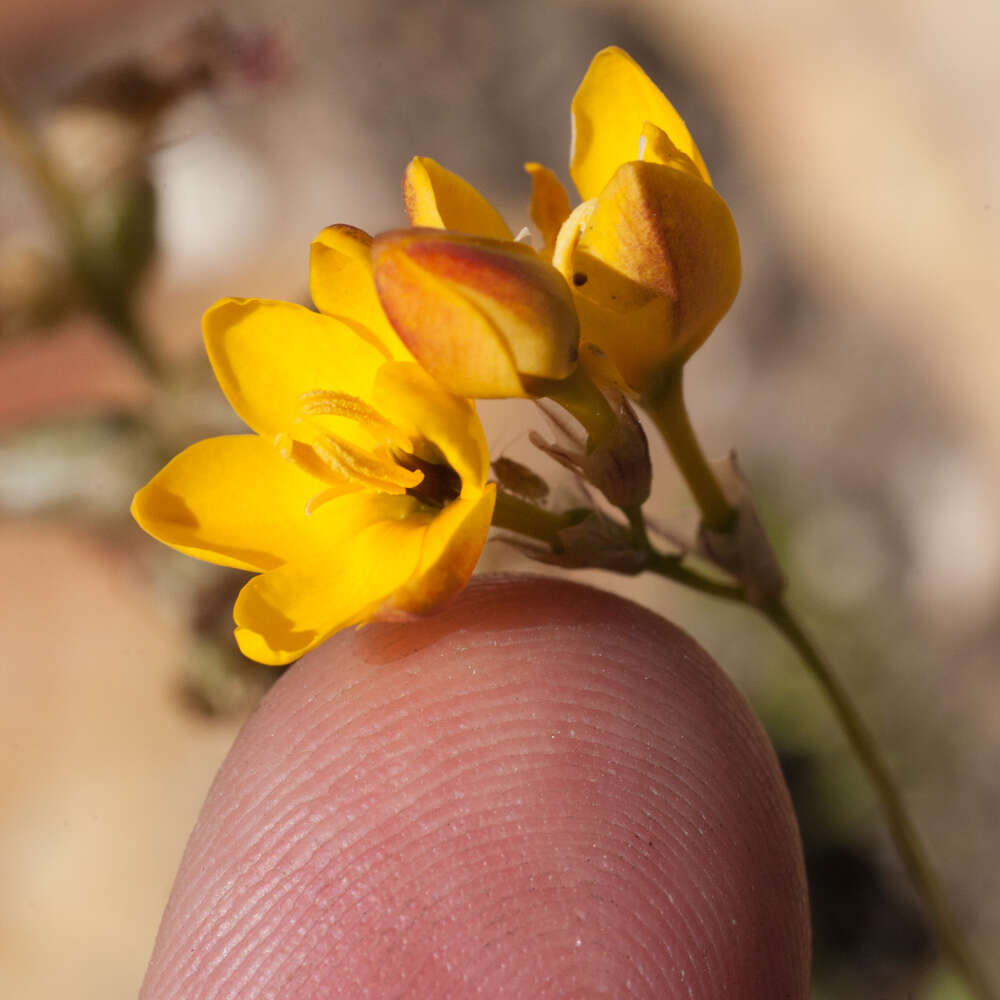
(656, 266)
(487, 318)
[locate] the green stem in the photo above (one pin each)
(902, 829)
(901, 826)
(517, 515)
(581, 398)
(672, 568)
(666, 407)
(637, 524)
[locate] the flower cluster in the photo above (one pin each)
(363, 492)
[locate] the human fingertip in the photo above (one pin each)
(543, 791)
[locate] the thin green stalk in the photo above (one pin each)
(581, 398)
(901, 827)
(672, 568)
(637, 525)
(666, 407)
(514, 514)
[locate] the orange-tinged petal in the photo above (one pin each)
(267, 354)
(437, 198)
(287, 611)
(609, 109)
(633, 346)
(233, 501)
(549, 204)
(452, 546)
(341, 285)
(657, 235)
(410, 396)
(669, 233)
(459, 344)
(487, 318)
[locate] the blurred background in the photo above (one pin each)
(858, 146)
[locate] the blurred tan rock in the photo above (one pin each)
(102, 773)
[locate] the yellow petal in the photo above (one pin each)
(452, 546)
(568, 238)
(632, 346)
(657, 148)
(660, 250)
(233, 501)
(549, 204)
(609, 109)
(414, 400)
(438, 198)
(454, 341)
(341, 285)
(267, 354)
(287, 611)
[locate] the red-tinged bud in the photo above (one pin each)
(487, 318)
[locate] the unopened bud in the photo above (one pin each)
(487, 318)
(657, 265)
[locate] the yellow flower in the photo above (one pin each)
(362, 492)
(653, 250)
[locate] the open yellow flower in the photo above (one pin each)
(362, 493)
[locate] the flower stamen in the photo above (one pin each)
(327, 403)
(377, 468)
(346, 468)
(391, 466)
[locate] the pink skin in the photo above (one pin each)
(543, 791)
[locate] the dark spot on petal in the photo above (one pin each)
(579, 279)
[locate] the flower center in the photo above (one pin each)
(441, 483)
(390, 462)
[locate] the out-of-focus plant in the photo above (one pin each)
(87, 157)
